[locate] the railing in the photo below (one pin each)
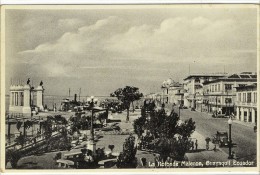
(13, 115)
(252, 104)
(39, 138)
(224, 93)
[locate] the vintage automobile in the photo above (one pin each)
(220, 138)
(219, 115)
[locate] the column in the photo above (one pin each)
(39, 97)
(18, 99)
(247, 119)
(15, 99)
(253, 115)
(11, 99)
(192, 103)
(26, 99)
(21, 96)
(237, 116)
(242, 114)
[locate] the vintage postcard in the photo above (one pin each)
(100, 88)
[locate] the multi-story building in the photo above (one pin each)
(220, 94)
(193, 83)
(172, 92)
(176, 93)
(246, 103)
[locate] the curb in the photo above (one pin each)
(251, 125)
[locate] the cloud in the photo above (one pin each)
(173, 40)
(70, 23)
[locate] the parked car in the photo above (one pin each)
(183, 107)
(221, 138)
(193, 109)
(214, 115)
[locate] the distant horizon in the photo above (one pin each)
(159, 85)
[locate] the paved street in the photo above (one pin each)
(242, 135)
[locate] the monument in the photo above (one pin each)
(20, 98)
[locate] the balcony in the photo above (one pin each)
(250, 104)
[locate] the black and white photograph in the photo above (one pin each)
(148, 87)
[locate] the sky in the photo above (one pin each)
(102, 49)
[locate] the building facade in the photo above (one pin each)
(172, 92)
(192, 87)
(246, 103)
(176, 93)
(220, 94)
(21, 99)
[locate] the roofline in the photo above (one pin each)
(190, 76)
(247, 86)
(231, 79)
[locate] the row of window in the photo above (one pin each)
(214, 100)
(247, 97)
(216, 87)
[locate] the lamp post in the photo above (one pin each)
(91, 143)
(230, 140)
(180, 111)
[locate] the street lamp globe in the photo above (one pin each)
(92, 97)
(230, 121)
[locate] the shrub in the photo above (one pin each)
(13, 157)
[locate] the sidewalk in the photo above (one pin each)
(203, 155)
(247, 124)
(251, 125)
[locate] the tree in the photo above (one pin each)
(171, 138)
(127, 95)
(127, 159)
(139, 125)
(20, 140)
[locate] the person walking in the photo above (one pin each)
(255, 128)
(196, 145)
(207, 143)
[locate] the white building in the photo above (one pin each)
(172, 92)
(220, 94)
(194, 82)
(246, 103)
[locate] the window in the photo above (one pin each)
(16, 98)
(249, 97)
(228, 86)
(21, 98)
(212, 88)
(239, 97)
(197, 80)
(218, 87)
(244, 97)
(228, 100)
